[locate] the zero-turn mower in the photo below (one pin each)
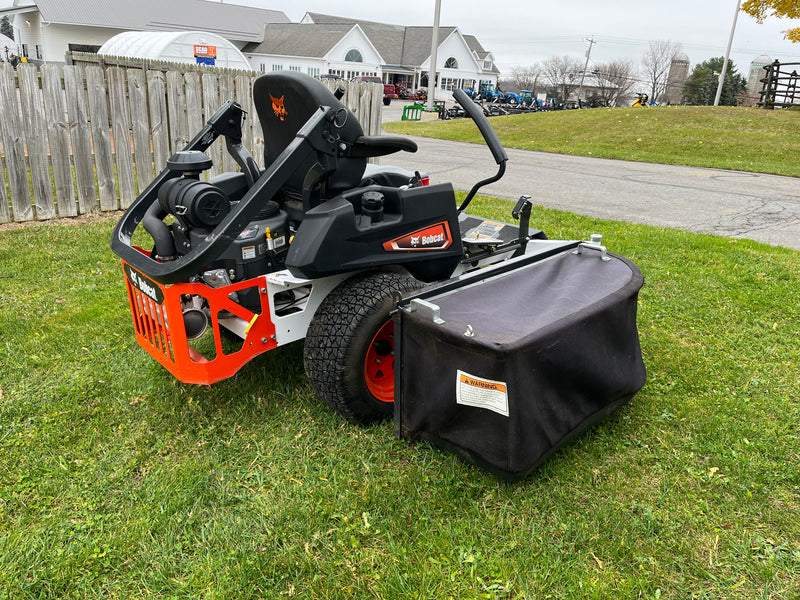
(467, 330)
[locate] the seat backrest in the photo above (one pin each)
(284, 101)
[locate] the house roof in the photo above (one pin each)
(299, 39)
(400, 45)
(417, 43)
(387, 39)
(231, 21)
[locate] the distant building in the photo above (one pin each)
(343, 47)
(676, 80)
(45, 30)
(757, 73)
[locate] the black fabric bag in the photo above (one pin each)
(523, 361)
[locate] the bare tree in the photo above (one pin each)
(614, 80)
(526, 78)
(563, 74)
(655, 65)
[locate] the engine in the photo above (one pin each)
(188, 210)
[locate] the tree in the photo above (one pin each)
(526, 78)
(5, 27)
(701, 87)
(563, 74)
(789, 9)
(614, 80)
(656, 63)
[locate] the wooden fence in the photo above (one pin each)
(77, 139)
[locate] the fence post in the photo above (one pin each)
(14, 146)
(80, 136)
(770, 86)
(121, 126)
(101, 137)
(58, 130)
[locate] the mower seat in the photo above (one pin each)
(285, 100)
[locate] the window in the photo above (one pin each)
(25, 50)
(263, 68)
(83, 48)
(313, 71)
(277, 67)
(38, 52)
(451, 63)
(353, 56)
(294, 68)
(448, 84)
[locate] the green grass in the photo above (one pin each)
(116, 481)
(746, 139)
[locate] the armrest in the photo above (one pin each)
(369, 146)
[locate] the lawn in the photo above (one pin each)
(116, 481)
(744, 139)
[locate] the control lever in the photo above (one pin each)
(522, 213)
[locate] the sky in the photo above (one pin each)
(523, 32)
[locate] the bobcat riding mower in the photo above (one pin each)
(468, 331)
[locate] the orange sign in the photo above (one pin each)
(202, 50)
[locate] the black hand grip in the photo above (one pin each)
(476, 114)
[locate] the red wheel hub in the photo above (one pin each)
(379, 363)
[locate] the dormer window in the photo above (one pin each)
(353, 56)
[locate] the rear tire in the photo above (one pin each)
(349, 348)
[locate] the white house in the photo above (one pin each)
(336, 49)
(328, 45)
(45, 30)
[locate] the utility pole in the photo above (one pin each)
(434, 47)
(585, 67)
(727, 54)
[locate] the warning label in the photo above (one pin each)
(481, 393)
(487, 230)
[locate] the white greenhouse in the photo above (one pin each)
(197, 47)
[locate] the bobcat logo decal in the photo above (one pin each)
(278, 107)
(432, 237)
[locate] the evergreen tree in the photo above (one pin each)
(5, 27)
(701, 87)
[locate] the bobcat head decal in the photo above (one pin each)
(278, 108)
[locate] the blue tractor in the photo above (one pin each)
(488, 93)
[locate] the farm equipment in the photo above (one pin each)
(526, 99)
(487, 93)
(352, 258)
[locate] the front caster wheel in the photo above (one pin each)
(349, 348)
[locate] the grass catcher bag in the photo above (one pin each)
(505, 366)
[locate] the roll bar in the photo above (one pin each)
(489, 135)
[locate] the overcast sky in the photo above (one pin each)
(522, 32)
